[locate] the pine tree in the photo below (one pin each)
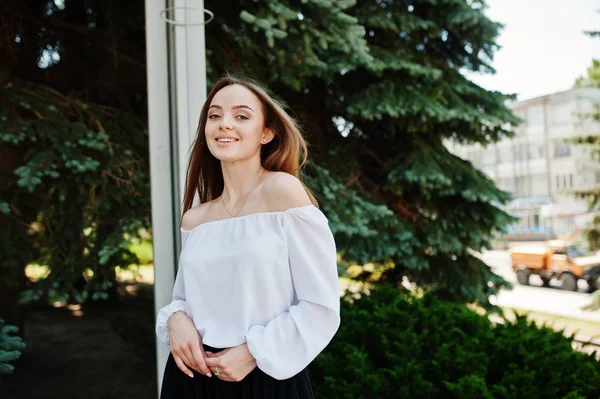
(378, 86)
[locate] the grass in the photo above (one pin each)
(132, 274)
(569, 325)
(143, 250)
(135, 273)
(558, 323)
(145, 274)
(582, 329)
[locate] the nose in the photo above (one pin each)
(226, 122)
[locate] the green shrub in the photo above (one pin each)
(395, 345)
(10, 347)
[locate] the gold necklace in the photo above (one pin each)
(245, 198)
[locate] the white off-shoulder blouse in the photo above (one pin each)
(267, 279)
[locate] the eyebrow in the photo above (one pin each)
(234, 107)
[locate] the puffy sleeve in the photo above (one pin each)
(289, 342)
(177, 304)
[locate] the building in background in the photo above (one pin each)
(539, 168)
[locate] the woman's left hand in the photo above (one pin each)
(231, 364)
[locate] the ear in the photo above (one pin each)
(267, 136)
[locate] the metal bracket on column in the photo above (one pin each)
(163, 15)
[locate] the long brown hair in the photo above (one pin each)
(287, 151)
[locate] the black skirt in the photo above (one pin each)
(256, 385)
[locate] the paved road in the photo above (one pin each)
(537, 298)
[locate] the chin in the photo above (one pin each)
(225, 157)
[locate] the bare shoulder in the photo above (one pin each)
(284, 191)
(195, 216)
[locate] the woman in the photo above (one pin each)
(256, 297)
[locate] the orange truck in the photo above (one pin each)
(560, 259)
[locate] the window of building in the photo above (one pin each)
(561, 113)
(535, 115)
(536, 149)
(562, 149)
(564, 181)
(539, 185)
(521, 186)
(517, 151)
(489, 156)
(505, 154)
(506, 184)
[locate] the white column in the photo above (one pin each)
(161, 173)
(190, 73)
(176, 90)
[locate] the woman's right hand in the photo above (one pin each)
(186, 345)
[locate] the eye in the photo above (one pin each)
(242, 117)
(214, 116)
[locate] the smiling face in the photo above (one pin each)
(236, 109)
(235, 124)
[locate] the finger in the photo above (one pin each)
(190, 361)
(220, 353)
(182, 366)
(200, 362)
(187, 359)
(224, 376)
(213, 362)
(209, 363)
(196, 359)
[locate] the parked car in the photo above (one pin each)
(559, 258)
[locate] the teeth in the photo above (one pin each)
(225, 140)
